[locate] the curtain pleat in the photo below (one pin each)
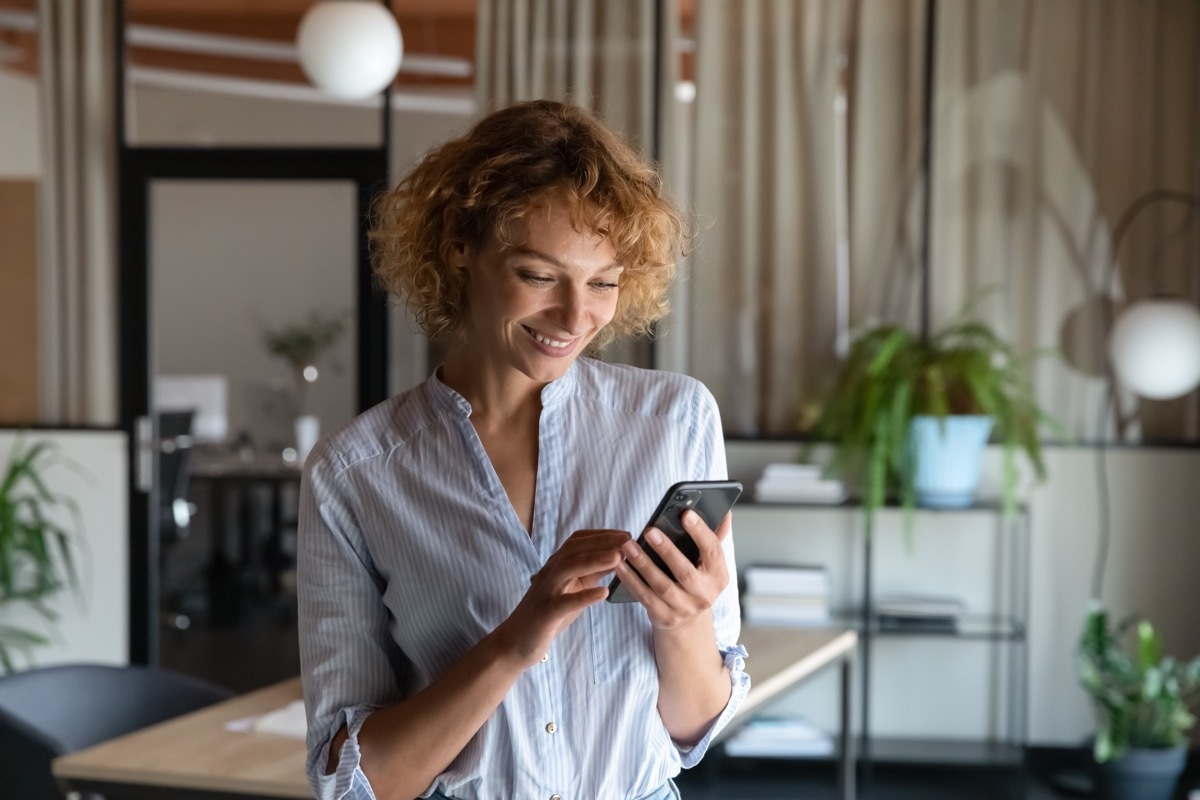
(1048, 120)
(77, 200)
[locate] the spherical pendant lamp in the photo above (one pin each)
(1155, 347)
(349, 49)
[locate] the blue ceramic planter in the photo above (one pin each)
(948, 452)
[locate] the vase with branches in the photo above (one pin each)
(302, 344)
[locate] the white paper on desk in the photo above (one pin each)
(287, 721)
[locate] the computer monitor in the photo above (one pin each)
(207, 395)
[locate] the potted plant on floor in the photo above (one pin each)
(36, 552)
(909, 416)
(1144, 703)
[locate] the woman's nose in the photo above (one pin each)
(572, 307)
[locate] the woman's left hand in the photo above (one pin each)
(673, 604)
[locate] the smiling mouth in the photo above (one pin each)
(557, 344)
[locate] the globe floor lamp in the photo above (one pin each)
(1154, 349)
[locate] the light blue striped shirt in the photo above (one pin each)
(410, 553)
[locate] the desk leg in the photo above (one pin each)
(846, 758)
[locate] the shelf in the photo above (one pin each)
(950, 752)
(984, 504)
(926, 752)
(973, 627)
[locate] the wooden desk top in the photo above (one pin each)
(781, 658)
(196, 751)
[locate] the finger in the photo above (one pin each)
(590, 540)
(632, 581)
(708, 542)
(657, 580)
(575, 566)
(679, 564)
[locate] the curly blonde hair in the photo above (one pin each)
(487, 182)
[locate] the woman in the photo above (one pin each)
(456, 541)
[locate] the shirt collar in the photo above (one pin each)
(552, 393)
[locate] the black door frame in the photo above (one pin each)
(137, 168)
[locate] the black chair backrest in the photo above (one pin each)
(51, 711)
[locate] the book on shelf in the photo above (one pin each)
(928, 613)
(785, 611)
(786, 579)
(797, 483)
(792, 471)
(779, 737)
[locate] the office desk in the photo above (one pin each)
(783, 658)
(232, 479)
(194, 757)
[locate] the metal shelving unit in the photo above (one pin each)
(1008, 627)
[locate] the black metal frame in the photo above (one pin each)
(366, 167)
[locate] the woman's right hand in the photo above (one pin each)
(560, 591)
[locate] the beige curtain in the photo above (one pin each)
(1049, 118)
(802, 204)
(616, 58)
(77, 292)
(1052, 118)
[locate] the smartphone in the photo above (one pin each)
(712, 500)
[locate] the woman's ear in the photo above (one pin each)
(460, 256)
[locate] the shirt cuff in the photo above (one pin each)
(348, 781)
(735, 661)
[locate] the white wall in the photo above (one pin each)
(93, 625)
(949, 688)
(230, 259)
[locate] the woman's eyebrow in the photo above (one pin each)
(520, 250)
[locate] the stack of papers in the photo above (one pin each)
(287, 721)
(786, 594)
(779, 737)
(797, 483)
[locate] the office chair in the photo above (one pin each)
(51, 711)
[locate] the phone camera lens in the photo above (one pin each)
(680, 497)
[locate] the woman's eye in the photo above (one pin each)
(605, 287)
(536, 280)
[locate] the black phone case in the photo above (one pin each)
(712, 500)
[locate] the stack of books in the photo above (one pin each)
(928, 613)
(779, 737)
(797, 483)
(795, 595)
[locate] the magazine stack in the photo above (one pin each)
(779, 737)
(797, 483)
(793, 595)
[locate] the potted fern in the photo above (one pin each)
(1144, 703)
(900, 397)
(36, 552)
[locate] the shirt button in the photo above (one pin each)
(545, 657)
(551, 727)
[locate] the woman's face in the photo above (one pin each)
(536, 305)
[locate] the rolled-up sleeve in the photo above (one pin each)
(348, 660)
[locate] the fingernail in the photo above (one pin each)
(631, 550)
(653, 536)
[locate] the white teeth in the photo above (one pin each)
(548, 340)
